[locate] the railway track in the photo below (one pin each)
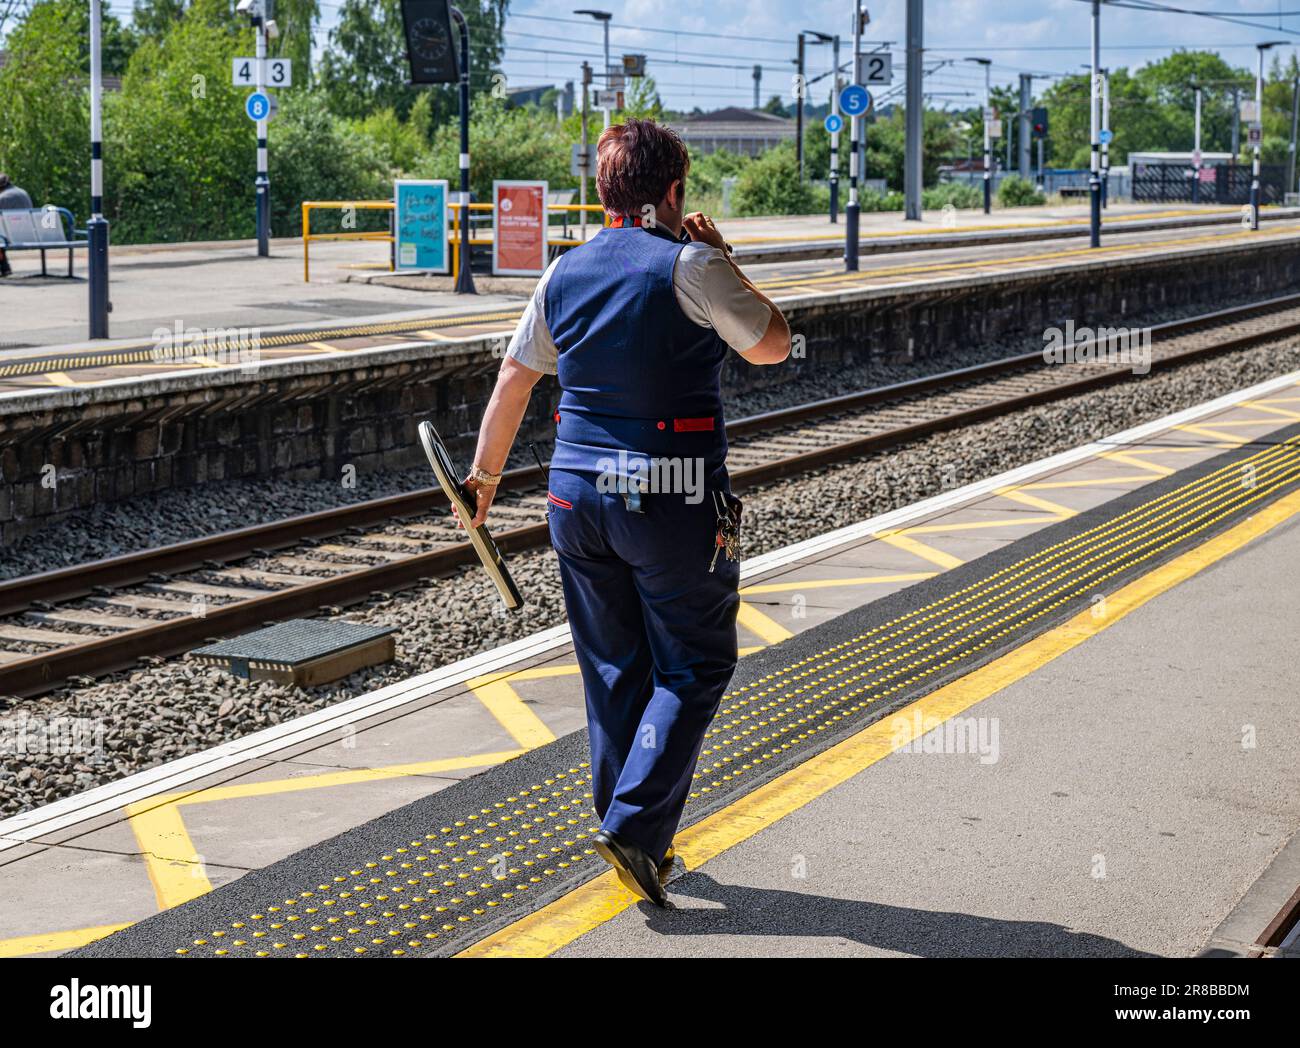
(95, 618)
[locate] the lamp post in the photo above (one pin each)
(852, 212)
(817, 38)
(464, 278)
(1105, 138)
(603, 17)
(1094, 120)
(97, 227)
(1196, 150)
(1258, 129)
(988, 139)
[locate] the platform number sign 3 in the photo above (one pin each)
(279, 72)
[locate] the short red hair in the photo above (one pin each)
(636, 162)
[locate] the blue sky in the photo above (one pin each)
(1040, 37)
(704, 55)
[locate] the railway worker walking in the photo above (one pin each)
(637, 325)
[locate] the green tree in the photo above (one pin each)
(296, 20)
(641, 99)
(770, 185)
(153, 18)
(1152, 108)
(316, 156)
(775, 106)
(403, 142)
(886, 138)
(43, 96)
(365, 66)
(505, 142)
(180, 153)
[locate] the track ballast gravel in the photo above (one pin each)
(143, 718)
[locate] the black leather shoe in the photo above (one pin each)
(666, 865)
(633, 865)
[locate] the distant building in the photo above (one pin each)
(737, 130)
(111, 83)
(1208, 159)
(531, 94)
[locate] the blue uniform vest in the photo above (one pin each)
(637, 376)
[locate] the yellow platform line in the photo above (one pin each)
(764, 628)
(175, 866)
(60, 378)
(596, 902)
(1099, 482)
(1130, 458)
(1051, 226)
(920, 549)
(1262, 405)
(976, 525)
(1024, 498)
(511, 712)
(49, 942)
(1046, 256)
(863, 580)
(1229, 440)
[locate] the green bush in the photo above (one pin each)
(770, 186)
(402, 141)
(316, 156)
(44, 110)
(1018, 192)
(180, 155)
(958, 194)
(871, 200)
(503, 143)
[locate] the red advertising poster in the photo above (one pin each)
(519, 239)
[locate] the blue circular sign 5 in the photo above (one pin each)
(855, 100)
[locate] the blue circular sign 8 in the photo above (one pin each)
(257, 106)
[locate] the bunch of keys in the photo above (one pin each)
(727, 538)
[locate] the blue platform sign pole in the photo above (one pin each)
(855, 100)
(420, 225)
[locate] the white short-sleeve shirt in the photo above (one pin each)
(707, 288)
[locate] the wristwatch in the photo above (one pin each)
(483, 477)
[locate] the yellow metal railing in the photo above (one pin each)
(455, 207)
(308, 206)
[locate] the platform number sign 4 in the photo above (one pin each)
(278, 72)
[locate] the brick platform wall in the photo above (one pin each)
(72, 449)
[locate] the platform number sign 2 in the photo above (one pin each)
(875, 69)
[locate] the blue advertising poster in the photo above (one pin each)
(421, 225)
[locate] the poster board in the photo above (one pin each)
(519, 227)
(420, 225)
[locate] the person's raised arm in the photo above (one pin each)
(774, 344)
(505, 410)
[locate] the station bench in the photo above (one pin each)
(41, 229)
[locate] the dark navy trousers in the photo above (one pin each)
(655, 636)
